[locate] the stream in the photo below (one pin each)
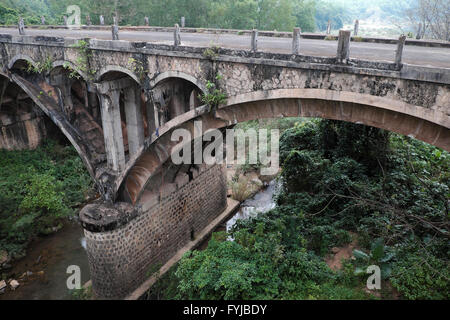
(47, 258)
(261, 202)
(46, 262)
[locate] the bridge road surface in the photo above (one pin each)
(415, 55)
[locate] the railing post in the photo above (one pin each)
(115, 29)
(88, 20)
(147, 23)
(329, 27)
(356, 30)
(343, 50)
(176, 36)
(21, 27)
(399, 51)
(296, 41)
(183, 22)
(102, 20)
(42, 20)
(254, 40)
(65, 20)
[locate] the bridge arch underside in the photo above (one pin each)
(52, 99)
(430, 126)
(22, 124)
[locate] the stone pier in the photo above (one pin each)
(125, 244)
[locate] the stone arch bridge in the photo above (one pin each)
(118, 102)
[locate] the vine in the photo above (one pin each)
(40, 67)
(82, 61)
(212, 52)
(137, 67)
(214, 96)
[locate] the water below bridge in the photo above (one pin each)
(48, 258)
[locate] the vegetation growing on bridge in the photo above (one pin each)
(214, 96)
(38, 188)
(342, 183)
(41, 66)
(82, 62)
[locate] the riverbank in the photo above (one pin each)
(42, 272)
(41, 192)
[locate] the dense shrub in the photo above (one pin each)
(338, 179)
(37, 189)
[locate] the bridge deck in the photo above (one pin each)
(416, 55)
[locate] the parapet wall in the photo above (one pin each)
(121, 259)
(263, 33)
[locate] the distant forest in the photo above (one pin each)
(281, 15)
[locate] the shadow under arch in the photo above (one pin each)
(50, 108)
(431, 126)
(68, 65)
(110, 72)
(15, 62)
(180, 75)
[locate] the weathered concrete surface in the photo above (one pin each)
(232, 207)
(22, 130)
(121, 256)
(374, 49)
(132, 95)
(407, 91)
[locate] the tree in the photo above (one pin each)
(434, 17)
(330, 11)
(275, 15)
(304, 12)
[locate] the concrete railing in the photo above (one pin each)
(276, 34)
(351, 65)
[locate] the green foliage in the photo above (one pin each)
(305, 14)
(82, 61)
(337, 178)
(254, 266)
(211, 52)
(38, 188)
(214, 96)
(82, 294)
(420, 274)
(41, 67)
(379, 255)
(228, 14)
(137, 67)
(330, 10)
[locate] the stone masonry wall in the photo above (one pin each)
(120, 260)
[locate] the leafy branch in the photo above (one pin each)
(214, 96)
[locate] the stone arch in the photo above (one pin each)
(51, 109)
(177, 74)
(115, 69)
(22, 57)
(175, 93)
(431, 126)
(402, 107)
(125, 114)
(71, 65)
